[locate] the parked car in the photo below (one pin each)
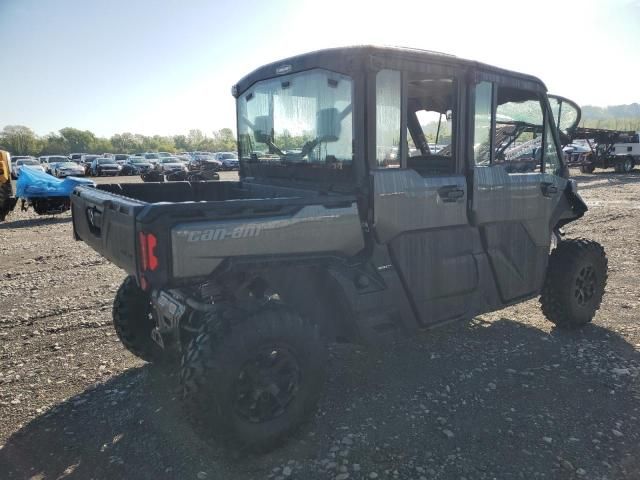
(29, 162)
(171, 164)
(77, 157)
(104, 166)
(151, 156)
(120, 158)
(200, 158)
(14, 161)
(229, 160)
(48, 161)
(67, 169)
(86, 160)
(135, 166)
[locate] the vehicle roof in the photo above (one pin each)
(348, 58)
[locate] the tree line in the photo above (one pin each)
(21, 140)
(626, 124)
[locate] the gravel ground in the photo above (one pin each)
(504, 396)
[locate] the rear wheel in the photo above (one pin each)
(627, 165)
(575, 283)
(250, 382)
(134, 322)
(587, 168)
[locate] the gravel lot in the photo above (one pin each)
(504, 396)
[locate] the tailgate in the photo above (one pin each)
(106, 222)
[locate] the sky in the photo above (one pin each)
(167, 66)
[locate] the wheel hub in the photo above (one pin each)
(585, 286)
(267, 384)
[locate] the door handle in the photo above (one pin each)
(450, 193)
(548, 189)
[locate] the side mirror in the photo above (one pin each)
(328, 125)
(262, 129)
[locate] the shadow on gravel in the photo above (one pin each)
(480, 400)
(586, 180)
(35, 222)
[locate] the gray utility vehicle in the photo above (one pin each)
(345, 225)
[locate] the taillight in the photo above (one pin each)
(148, 258)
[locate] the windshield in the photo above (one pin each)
(57, 159)
(105, 161)
(151, 155)
(27, 162)
(121, 157)
(302, 119)
(169, 160)
(137, 160)
(228, 156)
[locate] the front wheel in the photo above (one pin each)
(252, 381)
(587, 168)
(575, 283)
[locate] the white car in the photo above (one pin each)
(48, 161)
(171, 164)
(14, 161)
(26, 163)
(67, 169)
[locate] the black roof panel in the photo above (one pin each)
(348, 59)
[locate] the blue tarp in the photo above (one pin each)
(33, 183)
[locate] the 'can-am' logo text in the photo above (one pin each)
(243, 231)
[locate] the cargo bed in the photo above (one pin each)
(171, 232)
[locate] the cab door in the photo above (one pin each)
(420, 192)
(517, 182)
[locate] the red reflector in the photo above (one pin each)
(152, 260)
(143, 283)
(143, 250)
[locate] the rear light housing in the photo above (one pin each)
(148, 259)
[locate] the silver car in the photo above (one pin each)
(171, 164)
(67, 169)
(49, 162)
(26, 163)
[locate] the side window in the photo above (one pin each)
(388, 109)
(518, 134)
(483, 116)
(431, 104)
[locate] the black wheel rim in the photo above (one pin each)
(267, 384)
(585, 285)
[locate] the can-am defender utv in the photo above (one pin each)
(381, 190)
